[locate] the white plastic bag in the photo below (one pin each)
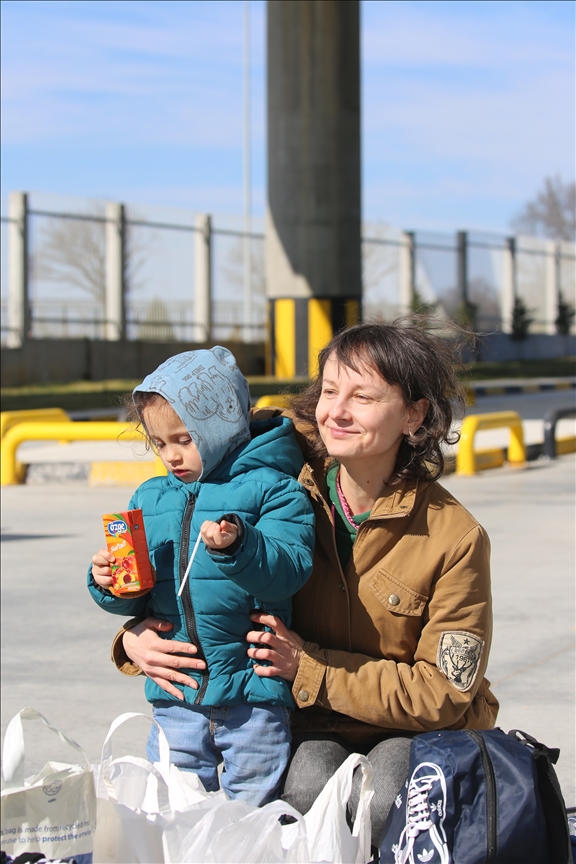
(155, 813)
(137, 800)
(329, 837)
(234, 832)
(53, 812)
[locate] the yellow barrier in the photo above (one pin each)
(280, 400)
(8, 419)
(469, 462)
(565, 445)
(85, 431)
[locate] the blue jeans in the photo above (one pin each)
(253, 742)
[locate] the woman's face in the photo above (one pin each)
(362, 418)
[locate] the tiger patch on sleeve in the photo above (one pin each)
(459, 656)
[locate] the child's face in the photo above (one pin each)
(172, 441)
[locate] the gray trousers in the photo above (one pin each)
(316, 757)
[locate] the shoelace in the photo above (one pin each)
(417, 818)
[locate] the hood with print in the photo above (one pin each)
(210, 396)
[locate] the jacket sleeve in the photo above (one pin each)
(118, 655)
(439, 687)
(274, 557)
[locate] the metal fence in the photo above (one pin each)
(65, 244)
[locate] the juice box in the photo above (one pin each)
(132, 574)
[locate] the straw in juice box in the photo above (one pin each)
(132, 573)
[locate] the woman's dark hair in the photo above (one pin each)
(421, 363)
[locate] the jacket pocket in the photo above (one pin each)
(396, 596)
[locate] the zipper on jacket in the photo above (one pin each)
(189, 616)
(491, 814)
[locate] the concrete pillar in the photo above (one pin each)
(552, 286)
(508, 285)
(407, 272)
(202, 329)
(115, 311)
(313, 230)
(19, 320)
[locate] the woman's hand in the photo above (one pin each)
(282, 648)
(160, 659)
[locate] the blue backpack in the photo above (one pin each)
(478, 798)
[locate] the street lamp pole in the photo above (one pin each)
(247, 250)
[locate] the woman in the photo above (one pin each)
(392, 632)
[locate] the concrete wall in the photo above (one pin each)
(499, 347)
(43, 361)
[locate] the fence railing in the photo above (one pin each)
(112, 271)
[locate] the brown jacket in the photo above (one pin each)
(400, 640)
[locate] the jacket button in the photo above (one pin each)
(394, 599)
(303, 696)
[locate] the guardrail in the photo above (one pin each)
(469, 461)
(81, 431)
(553, 447)
(8, 419)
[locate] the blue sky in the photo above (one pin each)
(467, 106)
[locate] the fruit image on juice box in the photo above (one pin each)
(132, 573)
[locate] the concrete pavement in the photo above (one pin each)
(55, 641)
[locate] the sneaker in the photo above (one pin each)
(423, 839)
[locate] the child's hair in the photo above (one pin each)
(421, 363)
(134, 405)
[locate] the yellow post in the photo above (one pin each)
(467, 461)
(319, 331)
(284, 347)
(85, 431)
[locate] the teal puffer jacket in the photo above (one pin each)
(272, 560)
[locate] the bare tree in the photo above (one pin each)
(233, 266)
(156, 326)
(481, 295)
(552, 213)
(73, 253)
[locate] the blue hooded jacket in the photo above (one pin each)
(267, 564)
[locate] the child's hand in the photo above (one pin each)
(218, 535)
(101, 570)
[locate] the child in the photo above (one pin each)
(234, 484)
